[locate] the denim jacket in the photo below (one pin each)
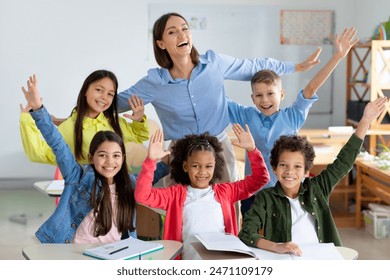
(74, 204)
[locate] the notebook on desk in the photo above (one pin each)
(130, 248)
(220, 241)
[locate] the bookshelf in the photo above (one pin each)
(358, 86)
(380, 86)
(368, 77)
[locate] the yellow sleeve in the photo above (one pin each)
(136, 132)
(67, 131)
(35, 147)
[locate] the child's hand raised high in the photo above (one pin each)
(372, 111)
(138, 108)
(345, 42)
(31, 94)
(156, 142)
(374, 108)
(245, 139)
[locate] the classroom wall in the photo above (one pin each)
(64, 41)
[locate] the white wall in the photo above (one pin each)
(63, 41)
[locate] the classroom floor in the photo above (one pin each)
(22, 203)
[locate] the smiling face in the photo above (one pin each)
(290, 172)
(176, 39)
(267, 97)
(107, 160)
(99, 95)
(200, 167)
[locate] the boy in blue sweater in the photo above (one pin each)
(267, 121)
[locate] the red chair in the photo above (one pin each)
(57, 176)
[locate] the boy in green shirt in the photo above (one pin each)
(296, 210)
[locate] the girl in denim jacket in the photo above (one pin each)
(97, 204)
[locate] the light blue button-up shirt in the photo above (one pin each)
(285, 122)
(199, 104)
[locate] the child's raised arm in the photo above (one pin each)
(245, 139)
(156, 142)
(372, 111)
(342, 46)
(31, 94)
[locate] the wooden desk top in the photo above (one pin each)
(368, 164)
(75, 251)
(375, 179)
(329, 133)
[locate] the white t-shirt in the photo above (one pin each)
(84, 233)
(201, 213)
(302, 224)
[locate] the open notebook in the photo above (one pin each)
(316, 251)
(219, 241)
(130, 248)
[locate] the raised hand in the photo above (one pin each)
(311, 61)
(31, 94)
(374, 108)
(138, 108)
(156, 150)
(244, 137)
(372, 111)
(346, 41)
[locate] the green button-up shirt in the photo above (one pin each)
(271, 210)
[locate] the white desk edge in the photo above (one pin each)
(75, 251)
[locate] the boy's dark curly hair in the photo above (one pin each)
(191, 143)
(293, 143)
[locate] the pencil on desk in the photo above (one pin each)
(118, 250)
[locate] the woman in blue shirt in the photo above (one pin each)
(188, 91)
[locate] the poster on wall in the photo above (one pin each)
(306, 27)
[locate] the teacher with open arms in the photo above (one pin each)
(188, 91)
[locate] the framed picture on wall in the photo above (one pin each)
(306, 27)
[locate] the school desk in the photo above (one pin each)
(75, 251)
(346, 253)
(372, 179)
(42, 187)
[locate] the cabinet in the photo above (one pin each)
(358, 86)
(368, 77)
(380, 86)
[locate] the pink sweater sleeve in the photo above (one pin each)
(145, 193)
(144, 181)
(243, 189)
(260, 176)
